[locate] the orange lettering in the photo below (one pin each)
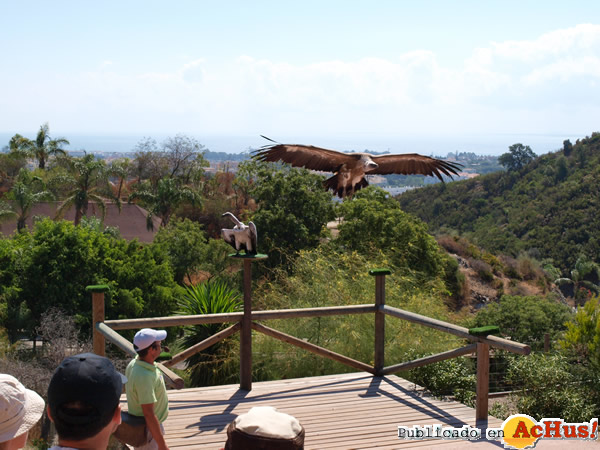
(536, 431)
(521, 430)
(552, 426)
(583, 431)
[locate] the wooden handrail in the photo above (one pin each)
(430, 359)
(494, 341)
(174, 321)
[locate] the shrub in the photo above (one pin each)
(525, 319)
(547, 388)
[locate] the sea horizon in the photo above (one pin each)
(434, 145)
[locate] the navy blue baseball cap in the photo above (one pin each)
(89, 380)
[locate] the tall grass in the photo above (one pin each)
(323, 277)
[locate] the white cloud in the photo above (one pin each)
(502, 83)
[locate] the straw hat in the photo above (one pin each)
(20, 408)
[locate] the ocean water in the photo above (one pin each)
(434, 145)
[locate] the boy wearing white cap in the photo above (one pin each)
(146, 391)
(20, 409)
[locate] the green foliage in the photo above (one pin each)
(518, 156)
(190, 251)
(324, 277)
(373, 220)
(293, 208)
(163, 200)
(525, 319)
(55, 263)
(539, 207)
(548, 388)
(25, 193)
(450, 377)
(216, 364)
(582, 338)
(41, 148)
(87, 181)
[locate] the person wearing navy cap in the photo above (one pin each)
(146, 391)
(83, 401)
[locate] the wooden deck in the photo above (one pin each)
(348, 411)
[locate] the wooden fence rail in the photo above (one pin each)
(246, 321)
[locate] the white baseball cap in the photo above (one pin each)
(147, 336)
(20, 408)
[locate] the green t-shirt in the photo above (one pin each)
(145, 385)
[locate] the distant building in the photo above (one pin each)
(131, 221)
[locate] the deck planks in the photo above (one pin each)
(347, 411)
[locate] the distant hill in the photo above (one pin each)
(550, 208)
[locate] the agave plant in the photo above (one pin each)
(216, 364)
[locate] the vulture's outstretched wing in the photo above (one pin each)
(307, 156)
(412, 163)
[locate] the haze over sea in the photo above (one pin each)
(435, 145)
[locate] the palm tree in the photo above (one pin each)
(583, 268)
(25, 193)
(163, 201)
(6, 213)
(41, 148)
(88, 176)
(215, 364)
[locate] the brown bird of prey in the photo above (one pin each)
(349, 169)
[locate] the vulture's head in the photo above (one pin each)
(368, 163)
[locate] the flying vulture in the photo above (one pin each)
(349, 169)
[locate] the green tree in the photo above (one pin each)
(164, 200)
(190, 251)
(518, 156)
(89, 183)
(217, 363)
(58, 260)
(293, 208)
(372, 220)
(582, 338)
(41, 148)
(584, 267)
(25, 193)
(525, 319)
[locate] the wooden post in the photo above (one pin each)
(98, 316)
(379, 358)
(483, 381)
(546, 342)
(246, 331)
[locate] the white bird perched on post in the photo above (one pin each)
(241, 236)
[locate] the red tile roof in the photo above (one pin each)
(131, 222)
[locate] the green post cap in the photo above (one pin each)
(375, 272)
(484, 331)
(245, 256)
(97, 288)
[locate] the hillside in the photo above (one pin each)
(549, 209)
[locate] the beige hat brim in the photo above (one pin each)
(34, 408)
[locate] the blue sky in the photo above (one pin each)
(310, 68)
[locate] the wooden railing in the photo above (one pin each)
(246, 321)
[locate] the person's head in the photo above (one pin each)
(83, 396)
(20, 409)
(147, 343)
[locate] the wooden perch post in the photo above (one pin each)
(246, 331)
(98, 316)
(379, 358)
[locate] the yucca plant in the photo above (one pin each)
(216, 364)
